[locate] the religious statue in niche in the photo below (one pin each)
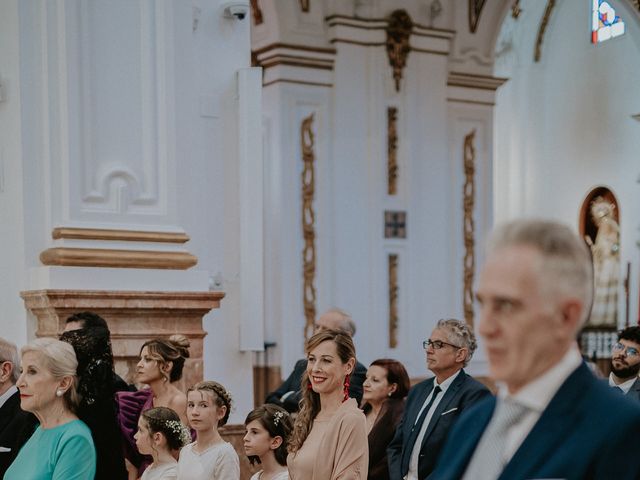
(605, 250)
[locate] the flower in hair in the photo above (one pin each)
(178, 428)
(277, 416)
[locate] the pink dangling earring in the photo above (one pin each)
(309, 387)
(347, 384)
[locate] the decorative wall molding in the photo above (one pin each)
(392, 151)
(116, 258)
(542, 29)
(468, 202)
(124, 177)
(372, 32)
(117, 235)
(475, 9)
(470, 80)
(304, 5)
(308, 225)
(393, 261)
(398, 48)
(290, 63)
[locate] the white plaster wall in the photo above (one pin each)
(564, 125)
(160, 122)
(12, 263)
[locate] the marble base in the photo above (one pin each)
(133, 318)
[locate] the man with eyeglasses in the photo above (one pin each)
(625, 363)
(552, 417)
(434, 405)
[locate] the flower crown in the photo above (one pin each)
(277, 416)
(178, 428)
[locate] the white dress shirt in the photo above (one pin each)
(536, 396)
(415, 452)
(625, 386)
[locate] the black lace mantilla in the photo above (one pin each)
(95, 363)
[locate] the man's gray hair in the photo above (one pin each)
(459, 334)
(347, 324)
(566, 261)
(9, 353)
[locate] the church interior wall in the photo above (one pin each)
(564, 125)
(126, 116)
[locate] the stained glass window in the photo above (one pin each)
(605, 24)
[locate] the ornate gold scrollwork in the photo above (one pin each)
(257, 12)
(304, 5)
(392, 151)
(469, 159)
(516, 10)
(393, 300)
(542, 28)
(475, 9)
(308, 225)
(398, 33)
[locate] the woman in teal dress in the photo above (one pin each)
(61, 448)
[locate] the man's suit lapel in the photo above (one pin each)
(426, 387)
(634, 391)
(550, 429)
(443, 406)
(8, 410)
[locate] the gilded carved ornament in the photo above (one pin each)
(469, 159)
(475, 9)
(393, 261)
(542, 29)
(308, 225)
(398, 48)
(392, 151)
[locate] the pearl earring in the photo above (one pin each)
(59, 393)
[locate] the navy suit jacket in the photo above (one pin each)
(16, 426)
(634, 391)
(588, 431)
(292, 384)
(462, 393)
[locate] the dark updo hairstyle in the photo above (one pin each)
(175, 349)
(167, 422)
(277, 421)
(396, 373)
(221, 397)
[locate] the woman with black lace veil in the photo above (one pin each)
(96, 386)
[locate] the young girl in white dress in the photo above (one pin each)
(159, 433)
(209, 457)
(266, 440)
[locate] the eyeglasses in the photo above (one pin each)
(437, 344)
(628, 351)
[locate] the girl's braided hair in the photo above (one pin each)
(221, 397)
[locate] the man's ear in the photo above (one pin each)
(570, 314)
(6, 369)
(462, 354)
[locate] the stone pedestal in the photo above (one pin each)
(133, 318)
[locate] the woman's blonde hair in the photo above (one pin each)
(310, 402)
(60, 360)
